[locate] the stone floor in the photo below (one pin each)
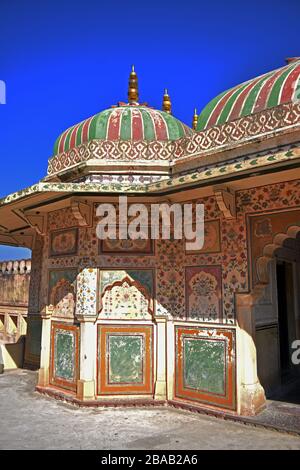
(31, 421)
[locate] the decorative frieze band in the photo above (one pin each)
(264, 122)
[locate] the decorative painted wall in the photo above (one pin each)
(126, 294)
(64, 242)
(204, 293)
(212, 240)
(141, 246)
(198, 288)
(225, 247)
(62, 292)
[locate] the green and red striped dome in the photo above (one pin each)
(263, 92)
(129, 122)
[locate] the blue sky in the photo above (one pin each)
(63, 61)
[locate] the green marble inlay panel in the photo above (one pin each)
(125, 359)
(64, 357)
(204, 365)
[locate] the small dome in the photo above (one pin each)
(263, 92)
(129, 122)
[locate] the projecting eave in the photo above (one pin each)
(22, 213)
(233, 167)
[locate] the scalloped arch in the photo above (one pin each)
(269, 251)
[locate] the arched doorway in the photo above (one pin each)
(277, 317)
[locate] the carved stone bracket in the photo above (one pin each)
(225, 198)
(37, 222)
(82, 212)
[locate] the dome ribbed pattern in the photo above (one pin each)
(269, 90)
(123, 123)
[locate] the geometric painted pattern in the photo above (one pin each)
(264, 122)
(266, 91)
(207, 173)
(123, 123)
(203, 173)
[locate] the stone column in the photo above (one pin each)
(251, 395)
(161, 371)
(43, 378)
(88, 355)
(170, 358)
(86, 313)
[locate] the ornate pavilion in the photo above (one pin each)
(122, 321)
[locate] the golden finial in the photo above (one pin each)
(195, 119)
(167, 105)
(133, 92)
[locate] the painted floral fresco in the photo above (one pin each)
(204, 293)
(169, 259)
(212, 242)
(63, 243)
(124, 295)
(86, 301)
(62, 292)
(140, 246)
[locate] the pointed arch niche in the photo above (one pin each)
(126, 295)
(127, 333)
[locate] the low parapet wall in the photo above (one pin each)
(14, 283)
(15, 267)
(14, 293)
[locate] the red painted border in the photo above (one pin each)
(62, 383)
(103, 387)
(229, 399)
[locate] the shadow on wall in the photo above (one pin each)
(12, 355)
